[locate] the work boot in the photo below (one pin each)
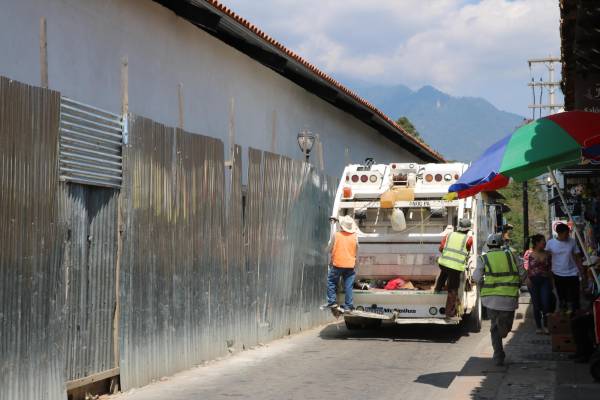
(499, 358)
(329, 305)
(451, 304)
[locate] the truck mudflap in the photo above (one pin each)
(436, 321)
(394, 318)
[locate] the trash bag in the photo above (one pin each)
(395, 284)
(398, 220)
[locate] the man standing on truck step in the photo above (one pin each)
(343, 247)
(455, 248)
(500, 277)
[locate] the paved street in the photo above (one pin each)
(394, 362)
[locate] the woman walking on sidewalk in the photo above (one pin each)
(539, 273)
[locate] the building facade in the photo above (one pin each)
(198, 65)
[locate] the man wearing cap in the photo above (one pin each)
(343, 247)
(455, 248)
(506, 232)
(499, 276)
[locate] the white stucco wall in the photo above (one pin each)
(88, 38)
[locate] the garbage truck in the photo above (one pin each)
(402, 213)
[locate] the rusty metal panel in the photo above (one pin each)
(173, 266)
(90, 215)
(31, 282)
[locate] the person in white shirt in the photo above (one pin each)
(566, 267)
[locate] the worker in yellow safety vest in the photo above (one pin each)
(499, 277)
(455, 248)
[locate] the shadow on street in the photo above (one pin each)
(438, 379)
(396, 333)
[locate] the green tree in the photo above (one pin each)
(409, 127)
(538, 210)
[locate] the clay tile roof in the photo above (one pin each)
(316, 71)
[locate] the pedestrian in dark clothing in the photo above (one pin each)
(566, 267)
(540, 281)
(582, 327)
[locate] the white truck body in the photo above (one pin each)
(411, 253)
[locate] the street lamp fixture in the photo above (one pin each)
(306, 140)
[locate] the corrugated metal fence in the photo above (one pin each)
(90, 215)
(206, 267)
(31, 279)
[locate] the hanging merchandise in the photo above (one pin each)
(387, 200)
(390, 197)
(398, 220)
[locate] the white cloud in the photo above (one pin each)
(475, 48)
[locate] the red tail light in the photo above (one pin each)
(456, 176)
(354, 178)
(438, 178)
(364, 178)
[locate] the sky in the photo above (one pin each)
(462, 47)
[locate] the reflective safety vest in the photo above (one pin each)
(343, 254)
(454, 255)
(501, 275)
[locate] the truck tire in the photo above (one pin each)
(476, 315)
(362, 323)
(350, 325)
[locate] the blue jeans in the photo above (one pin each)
(541, 297)
(333, 277)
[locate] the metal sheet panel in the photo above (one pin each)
(287, 233)
(31, 282)
(173, 269)
(201, 274)
(90, 144)
(90, 214)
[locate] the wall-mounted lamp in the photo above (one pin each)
(306, 140)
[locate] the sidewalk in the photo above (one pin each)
(532, 370)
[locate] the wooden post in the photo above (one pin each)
(124, 86)
(525, 216)
(120, 225)
(320, 153)
(231, 128)
(180, 95)
(43, 54)
(274, 132)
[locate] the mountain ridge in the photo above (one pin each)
(460, 128)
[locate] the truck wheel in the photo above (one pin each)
(362, 323)
(595, 365)
(350, 325)
(374, 324)
(476, 316)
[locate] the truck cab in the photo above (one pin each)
(402, 216)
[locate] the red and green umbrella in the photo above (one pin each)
(554, 141)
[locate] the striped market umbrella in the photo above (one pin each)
(539, 147)
(551, 142)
